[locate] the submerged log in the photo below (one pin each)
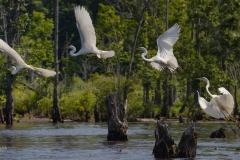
(117, 122)
(165, 146)
(218, 133)
(188, 144)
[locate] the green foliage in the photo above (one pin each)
(44, 107)
(24, 101)
(104, 86)
(77, 102)
(36, 44)
(208, 46)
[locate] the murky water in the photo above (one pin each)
(88, 141)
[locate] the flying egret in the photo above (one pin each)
(165, 57)
(220, 106)
(87, 35)
(5, 48)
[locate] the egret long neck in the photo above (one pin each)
(207, 86)
(144, 54)
(72, 52)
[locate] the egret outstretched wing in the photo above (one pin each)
(226, 99)
(166, 41)
(11, 52)
(211, 108)
(85, 27)
(5, 48)
(87, 36)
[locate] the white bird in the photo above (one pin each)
(5, 48)
(87, 35)
(220, 106)
(165, 57)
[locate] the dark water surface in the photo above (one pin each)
(88, 141)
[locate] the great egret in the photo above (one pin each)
(165, 57)
(220, 106)
(5, 48)
(87, 35)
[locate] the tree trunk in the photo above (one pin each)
(117, 122)
(170, 97)
(157, 98)
(235, 101)
(96, 114)
(165, 108)
(125, 92)
(8, 111)
(55, 110)
(9, 99)
(188, 92)
(175, 96)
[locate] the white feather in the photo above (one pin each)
(5, 48)
(220, 106)
(87, 36)
(165, 57)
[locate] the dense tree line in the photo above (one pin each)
(208, 46)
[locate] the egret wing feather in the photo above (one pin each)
(156, 66)
(223, 90)
(226, 100)
(218, 106)
(85, 27)
(210, 107)
(166, 41)
(11, 52)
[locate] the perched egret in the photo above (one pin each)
(87, 35)
(5, 48)
(165, 57)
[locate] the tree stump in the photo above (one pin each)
(164, 144)
(117, 122)
(188, 144)
(218, 133)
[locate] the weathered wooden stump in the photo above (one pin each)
(188, 144)
(218, 133)
(117, 122)
(165, 146)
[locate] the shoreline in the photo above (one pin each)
(147, 120)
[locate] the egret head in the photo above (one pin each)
(71, 47)
(14, 70)
(68, 47)
(203, 79)
(140, 48)
(143, 49)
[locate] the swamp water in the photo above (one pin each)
(88, 141)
